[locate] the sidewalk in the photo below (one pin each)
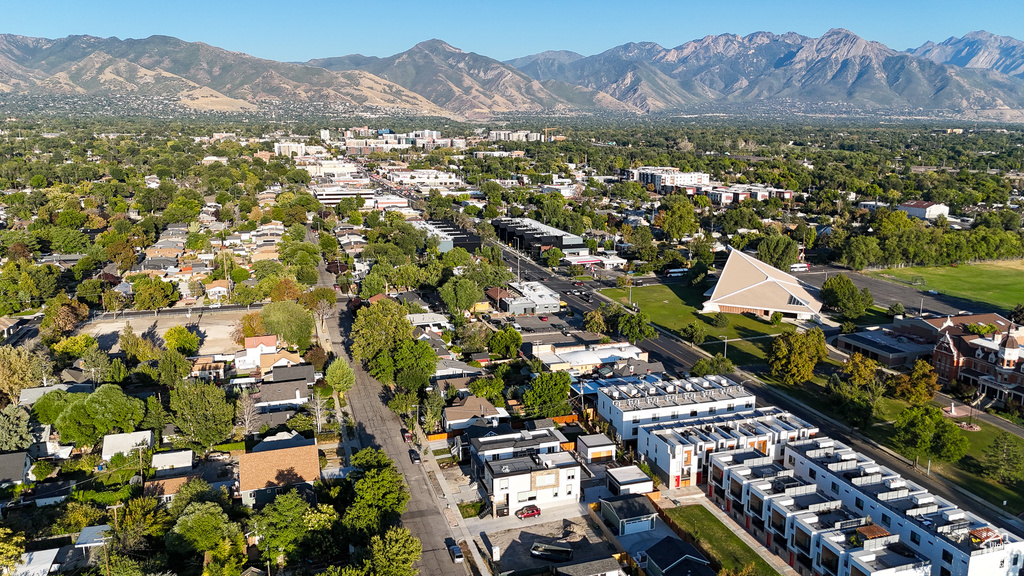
(456, 521)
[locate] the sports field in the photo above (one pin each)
(997, 283)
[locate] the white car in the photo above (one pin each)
(517, 326)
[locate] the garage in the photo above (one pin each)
(629, 514)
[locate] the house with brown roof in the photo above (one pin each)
(470, 410)
(277, 360)
(165, 489)
(280, 462)
(206, 368)
(748, 285)
(217, 289)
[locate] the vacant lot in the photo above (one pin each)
(718, 540)
(577, 533)
(995, 283)
(213, 327)
(676, 305)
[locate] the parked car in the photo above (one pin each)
(219, 456)
(528, 330)
(456, 554)
(578, 284)
(528, 512)
(543, 318)
(517, 326)
(414, 456)
(407, 436)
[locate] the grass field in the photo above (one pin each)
(718, 540)
(674, 306)
(995, 283)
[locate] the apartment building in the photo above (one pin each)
(958, 542)
(680, 452)
(628, 404)
(515, 444)
(538, 479)
(668, 178)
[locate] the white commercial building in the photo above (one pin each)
(667, 177)
(289, 149)
(924, 210)
(629, 403)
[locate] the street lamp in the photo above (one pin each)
(725, 343)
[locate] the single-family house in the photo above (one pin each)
(171, 463)
(269, 362)
(277, 463)
(218, 289)
(206, 368)
(469, 410)
(124, 443)
(595, 448)
(628, 480)
(670, 556)
(49, 493)
(37, 563)
(165, 489)
(14, 467)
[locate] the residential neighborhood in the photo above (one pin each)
(287, 353)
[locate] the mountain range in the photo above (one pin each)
(978, 76)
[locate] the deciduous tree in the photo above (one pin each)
(505, 342)
(917, 387)
(280, 527)
(202, 413)
(548, 395)
(636, 327)
(181, 339)
(839, 294)
(795, 354)
(379, 328)
(14, 433)
(290, 322)
(778, 251)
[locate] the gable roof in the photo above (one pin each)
(470, 407)
(304, 372)
(282, 467)
(275, 391)
(166, 486)
(267, 361)
(12, 467)
(123, 443)
(746, 282)
(254, 341)
(671, 551)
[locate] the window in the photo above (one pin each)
(792, 461)
(503, 484)
(635, 431)
(568, 490)
(858, 503)
(712, 410)
(570, 474)
(886, 520)
(943, 571)
(636, 419)
(655, 418)
(947, 557)
(527, 496)
(693, 413)
(812, 473)
(915, 537)
(835, 488)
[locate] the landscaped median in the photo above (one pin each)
(718, 540)
(674, 306)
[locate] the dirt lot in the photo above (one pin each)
(577, 533)
(213, 327)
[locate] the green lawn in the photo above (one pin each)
(470, 509)
(718, 540)
(995, 283)
(674, 306)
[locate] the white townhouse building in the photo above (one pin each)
(539, 479)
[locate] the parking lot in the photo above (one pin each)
(214, 329)
(577, 533)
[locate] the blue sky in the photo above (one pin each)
(298, 31)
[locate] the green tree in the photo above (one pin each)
(695, 332)
(173, 368)
(917, 387)
(340, 376)
(12, 546)
(395, 553)
(143, 518)
(202, 527)
(290, 322)
(52, 404)
(718, 364)
(14, 432)
(553, 256)
(280, 527)
(860, 370)
(202, 413)
(19, 369)
(548, 395)
(679, 220)
(460, 294)
(778, 251)
(593, 321)
(415, 363)
(183, 340)
(795, 354)
(433, 409)
(381, 495)
(922, 431)
(490, 389)
(105, 411)
(379, 328)
(1004, 459)
(895, 309)
(636, 327)
(505, 342)
(838, 293)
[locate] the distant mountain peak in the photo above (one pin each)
(435, 45)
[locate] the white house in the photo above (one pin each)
(125, 443)
(538, 479)
(38, 563)
(595, 448)
(924, 210)
(170, 463)
(628, 480)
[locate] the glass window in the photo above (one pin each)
(915, 537)
(858, 503)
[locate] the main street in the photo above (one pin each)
(378, 427)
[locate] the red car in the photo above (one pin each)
(528, 512)
(543, 318)
(578, 284)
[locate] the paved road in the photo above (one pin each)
(678, 357)
(378, 427)
(887, 293)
